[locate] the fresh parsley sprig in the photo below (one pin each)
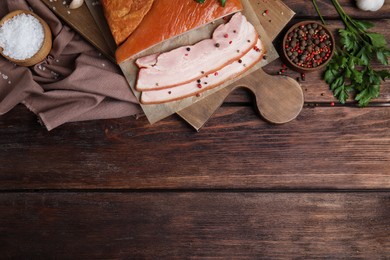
(350, 69)
(223, 2)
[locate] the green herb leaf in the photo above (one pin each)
(366, 95)
(340, 90)
(338, 82)
(381, 56)
(383, 74)
(330, 75)
(348, 40)
(357, 76)
(364, 56)
(378, 40)
(363, 25)
(200, 1)
(223, 2)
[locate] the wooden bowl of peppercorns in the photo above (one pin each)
(308, 46)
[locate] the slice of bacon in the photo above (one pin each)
(207, 82)
(230, 42)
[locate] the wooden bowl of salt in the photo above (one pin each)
(25, 39)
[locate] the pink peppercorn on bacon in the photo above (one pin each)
(206, 82)
(229, 43)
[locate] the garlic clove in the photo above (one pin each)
(76, 4)
(370, 5)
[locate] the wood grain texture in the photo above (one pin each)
(195, 225)
(82, 21)
(305, 9)
(325, 147)
(97, 13)
(123, 189)
(279, 14)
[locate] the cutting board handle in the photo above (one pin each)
(279, 98)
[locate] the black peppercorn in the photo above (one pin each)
(293, 43)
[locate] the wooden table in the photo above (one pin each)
(317, 187)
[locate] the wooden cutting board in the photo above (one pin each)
(82, 21)
(155, 113)
(273, 16)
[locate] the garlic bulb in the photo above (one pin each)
(76, 4)
(370, 5)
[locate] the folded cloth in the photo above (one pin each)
(74, 83)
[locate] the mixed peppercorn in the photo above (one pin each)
(308, 45)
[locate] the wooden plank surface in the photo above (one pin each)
(305, 9)
(325, 147)
(318, 187)
(195, 225)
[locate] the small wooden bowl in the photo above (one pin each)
(46, 45)
(293, 65)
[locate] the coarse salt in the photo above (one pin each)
(21, 36)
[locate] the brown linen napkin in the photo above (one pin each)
(74, 83)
